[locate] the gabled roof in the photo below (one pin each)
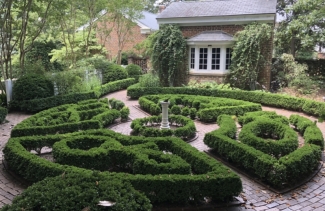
(212, 36)
(218, 8)
(149, 20)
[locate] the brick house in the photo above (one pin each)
(139, 32)
(209, 27)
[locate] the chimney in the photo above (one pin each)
(161, 8)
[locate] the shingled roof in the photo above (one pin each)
(218, 8)
(216, 35)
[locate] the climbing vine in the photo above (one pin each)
(169, 55)
(247, 55)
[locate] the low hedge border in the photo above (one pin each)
(252, 116)
(207, 108)
(88, 188)
(276, 100)
(311, 133)
(209, 178)
(186, 127)
(67, 118)
(256, 133)
(287, 170)
(38, 105)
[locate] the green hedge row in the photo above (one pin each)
(87, 189)
(208, 178)
(146, 127)
(289, 169)
(3, 114)
(41, 104)
(276, 100)
(67, 118)
(271, 137)
(252, 116)
(311, 133)
(207, 108)
(113, 86)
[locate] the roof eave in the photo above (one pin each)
(219, 20)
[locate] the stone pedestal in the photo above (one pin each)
(164, 119)
(8, 85)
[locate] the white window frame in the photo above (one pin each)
(209, 71)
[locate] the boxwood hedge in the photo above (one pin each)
(289, 169)
(163, 169)
(208, 108)
(276, 100)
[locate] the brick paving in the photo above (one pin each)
(310, 196)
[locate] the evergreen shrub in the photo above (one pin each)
(114, 72)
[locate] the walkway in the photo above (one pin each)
(311, 196)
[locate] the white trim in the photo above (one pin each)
(222, 70)
(218, 20)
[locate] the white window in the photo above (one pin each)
(209, 59)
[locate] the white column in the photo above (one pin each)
(8, 84)
(164, 119)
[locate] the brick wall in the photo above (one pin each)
(264, 76)
(111, 42)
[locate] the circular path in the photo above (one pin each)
(310, 196)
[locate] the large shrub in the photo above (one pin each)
(134, 71)
(87, 190)
(32, 86)
(114, 72)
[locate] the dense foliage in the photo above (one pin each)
(134, 71)
(248, 58)
(31, 87)
(114, 72)
(276, 100)
(169, 55)
(289, 169)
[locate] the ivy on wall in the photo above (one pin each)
(169, 55)
(247, 57)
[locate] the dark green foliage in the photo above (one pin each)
(114, 72)
(252, 116)
(185, 127)
(116, 104)
(67, 118)
(185, 111)
(79, 190)
(37, 105)
(269, 136)
(207, 108)
(169, 55)
(208, 179)
(125, 112)
(289, 169)
(193, 112)
(176, 110)
(113, 86)
(134, 71)
(276, 100)
(31, 87)
(3, 114)
(309, 129)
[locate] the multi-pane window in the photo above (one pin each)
(203, 62)
(215, 60)
(192, 58)
(228, 58)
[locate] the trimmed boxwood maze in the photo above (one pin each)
(145, 126)
(207, 108)
(164, 169)
(279, 162)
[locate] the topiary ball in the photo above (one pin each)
(134, 71)
(114, 72)
(32, 86)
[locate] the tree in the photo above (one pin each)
(304, 26)
(169, 55)
(248, 59)
(123, 14)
